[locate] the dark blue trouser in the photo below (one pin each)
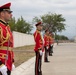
(38, 64)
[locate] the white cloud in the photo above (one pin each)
(30, 8)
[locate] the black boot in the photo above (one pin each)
(0, 73)
(40, 73)
(51, 54)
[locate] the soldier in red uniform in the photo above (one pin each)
(46, 45)
(6, 40)
(51, 42)
(38, 48)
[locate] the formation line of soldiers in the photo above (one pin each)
(42, 44)
(6, 43)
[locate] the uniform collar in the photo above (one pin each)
(3, 22)
(38, 30)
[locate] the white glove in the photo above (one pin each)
(3, 70)
(47, 47)
(51, 44)
(41, 53)
(13, 67)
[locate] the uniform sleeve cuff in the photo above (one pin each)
(1, 65)
(39, 49)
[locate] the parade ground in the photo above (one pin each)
(63, 62)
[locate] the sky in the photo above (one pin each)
(29, 9)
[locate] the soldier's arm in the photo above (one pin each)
(0, 35)
(0, 42)
(37, 40)
(44, 40)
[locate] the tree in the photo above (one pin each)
(20, 25)
(61, 37)
(12, 24)
(53, 22)
(23, 26)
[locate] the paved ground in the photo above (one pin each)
(63, 62)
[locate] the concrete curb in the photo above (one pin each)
(23, 67)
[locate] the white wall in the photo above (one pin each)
(21, 39)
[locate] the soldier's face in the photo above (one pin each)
(39, 27)
(7, 16)
(47, 32)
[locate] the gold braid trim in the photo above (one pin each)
(1, 32)
(2, 55)
(41, 40)
(5, 39)
(39, 33)
(41, 37)
(35, 36)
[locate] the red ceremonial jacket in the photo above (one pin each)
(38, 41)
(46, 40)
(51, 40)
(6, 45)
